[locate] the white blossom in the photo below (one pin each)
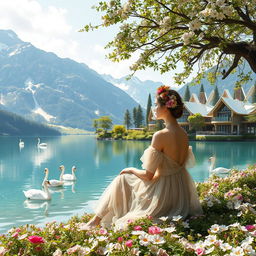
(187, 36)
(237, 251)
(225, 247)
(58, 252)
(195, 25)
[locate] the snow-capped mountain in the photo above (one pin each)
(41, 86)
(137, 89)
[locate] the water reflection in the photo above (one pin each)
(37, 205)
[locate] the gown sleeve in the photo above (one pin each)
(191, 161)
(151, 159)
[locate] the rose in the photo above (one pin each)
(137, 228)
(128, 243)
(154, 230)
(36, 239)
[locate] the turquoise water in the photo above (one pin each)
(97, 163)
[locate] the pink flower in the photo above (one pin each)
(200, 251)
(171, 104)
(137, 228)
(150, 217)
(18, 230)
(36, 239)
(120, 239)
(154, 230)
(128, 243)
(130, 221)
(103, 231)
(250, 227)
(15, 234)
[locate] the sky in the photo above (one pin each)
(53, 25)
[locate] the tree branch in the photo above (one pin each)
(233, 66)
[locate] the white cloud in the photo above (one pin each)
(46, 28)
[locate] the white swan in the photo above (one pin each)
(21, 144)
(219, 170)
(69, 176)
(53, 183)
(41, 145)
(37, 194)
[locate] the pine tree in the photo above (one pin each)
(216, 96)
(202, 88)
(134, 113)
(139, 116)
(149, 105)
(187, 94)
(127, 119)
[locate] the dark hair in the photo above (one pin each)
(176, 111)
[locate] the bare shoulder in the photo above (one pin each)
(158, 139)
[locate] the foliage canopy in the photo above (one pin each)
(164, 32)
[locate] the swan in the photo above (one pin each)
(37, 194)
(21, 144)
(219, 170)
(70, 176)
(41, 145)
(53, 183)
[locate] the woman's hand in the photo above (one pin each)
(127, 170)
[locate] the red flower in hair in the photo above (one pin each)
(162, 89)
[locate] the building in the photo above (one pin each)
(227, 116)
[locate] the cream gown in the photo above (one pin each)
(172, 193)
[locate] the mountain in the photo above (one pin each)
(137, 89)
(12, 124)
(228, 83)
(41, 86)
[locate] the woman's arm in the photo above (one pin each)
(142, 174)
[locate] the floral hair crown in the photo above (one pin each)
(169, 100)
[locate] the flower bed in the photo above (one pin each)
(228, 227)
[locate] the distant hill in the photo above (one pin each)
(41, 86)
(137, 89)
(13, 124)
(228, 83)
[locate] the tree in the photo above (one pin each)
(139, 116)
(103, 122)
(119, 130)
(127, 119)
(149, 105)
(202, 88)
(134, 113)
(196, 121)
(216, 95)
(187, 94)
(216, 33)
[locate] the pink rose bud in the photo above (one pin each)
(137, 228)
(199, 251)
(36, 239)
(128, 243)
(120, 239)
(154, 230)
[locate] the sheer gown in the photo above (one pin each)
(172, 193)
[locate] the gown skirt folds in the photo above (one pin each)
(172, 193)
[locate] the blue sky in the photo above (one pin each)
(53, 25)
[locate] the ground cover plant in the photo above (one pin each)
(228, 227)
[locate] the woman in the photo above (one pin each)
(163, 187)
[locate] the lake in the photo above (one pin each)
(97, 162)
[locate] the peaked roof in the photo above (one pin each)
(210, 98)
(194, 107)
(237, 106)
(226, 94)
(194, 98)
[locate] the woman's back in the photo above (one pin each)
(173, 142)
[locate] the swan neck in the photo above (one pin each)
(61, 174)
(45, 178)
(73, 173)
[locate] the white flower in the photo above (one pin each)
(195, 25)
(58, 252)
(84, 251)
(186, 37)
(227, 10)
(215, 228)
(94, 244)
(248, 240)
(22, 236)
(210, 250)
(163, 218)
(238, 251)
(135, 251)
(176, 218)
(185, 224)
(157, 239)
(248, 249)
(109, 248)
(220, 2)
(144, 239)
(153, 249)
(126, 7)
(211, 239)
(102, 238)
(166, 21)
(225, 247)
(162, 252)
(138, 232)
(170, 229)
